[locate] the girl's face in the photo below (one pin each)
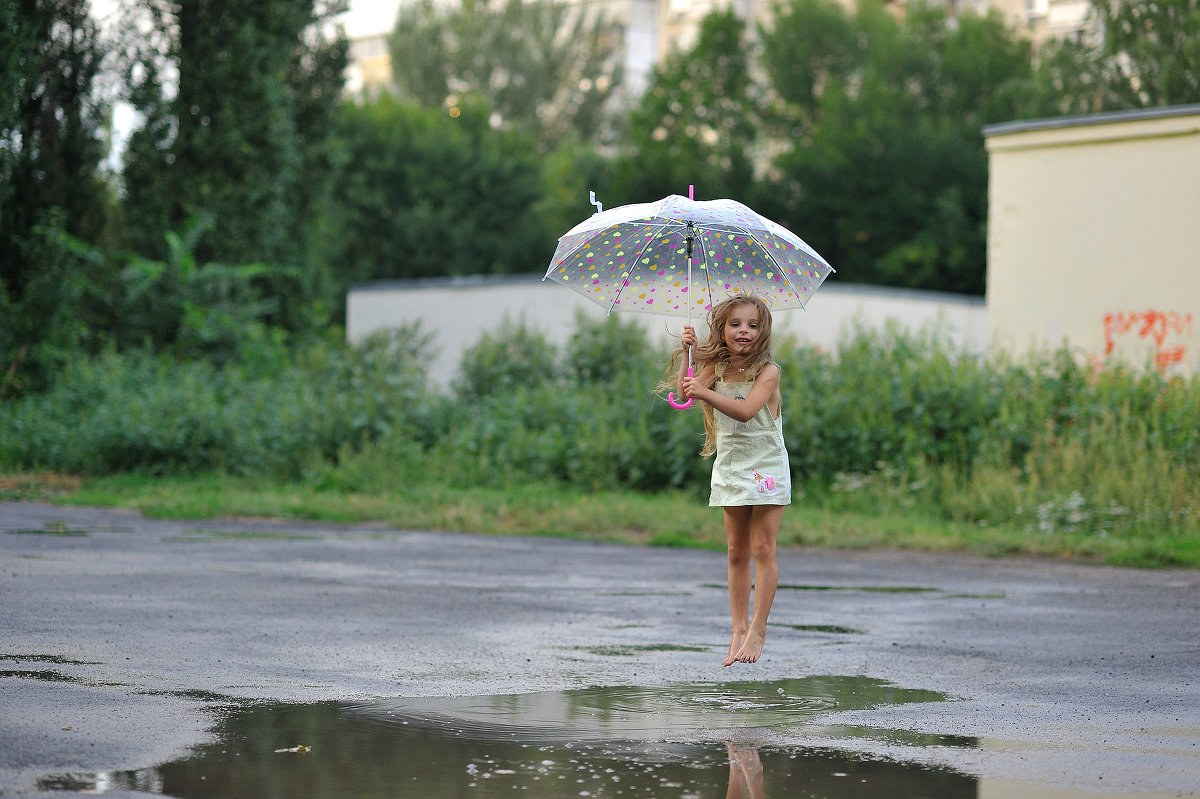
(742, 328)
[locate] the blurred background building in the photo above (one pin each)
(655, 28)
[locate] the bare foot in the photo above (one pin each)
(751, 648)
(734, 646)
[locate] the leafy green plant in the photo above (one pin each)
(512, 357)
(892, 423)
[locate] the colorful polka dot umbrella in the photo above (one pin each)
(635, 258)
(640, 258)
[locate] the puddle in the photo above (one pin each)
(49, 675)
(880, 589)
(50, 528)
(632, 650)
(877, 589)
(691, 741)
(42, 676)
(203, 536)
(832, 629)
(58, 660)
(643, 593)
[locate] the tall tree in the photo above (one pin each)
(236, 112)
(697, 123)
(546, 67)
(50, 118)
(50, 184)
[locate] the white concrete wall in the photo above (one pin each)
(458, 311)
(1094, 237)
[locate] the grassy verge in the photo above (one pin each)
(664, 519)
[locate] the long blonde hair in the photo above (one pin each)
(715, 352)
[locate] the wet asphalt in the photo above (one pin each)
(120, 634)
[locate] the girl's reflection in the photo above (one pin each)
(745, 772)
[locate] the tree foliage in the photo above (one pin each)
(698, 121)
(546, 67)
(426, 193)
(252, 194)
(236, 113)
(50, 129)
(1151, 51)
(884, 171)
(51, 145)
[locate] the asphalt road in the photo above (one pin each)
(118, 631)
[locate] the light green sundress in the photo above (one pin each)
(751, 463)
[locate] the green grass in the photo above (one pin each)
(665, 519)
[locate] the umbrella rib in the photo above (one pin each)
(786, 278)
(636, 261)
(704, 260)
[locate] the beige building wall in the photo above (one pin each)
(1094, 237)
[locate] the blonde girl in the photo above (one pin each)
(737, 383)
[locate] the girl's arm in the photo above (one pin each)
(765, 386)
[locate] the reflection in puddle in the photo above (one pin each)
(633, 712)
(691, 741)
(354, 758)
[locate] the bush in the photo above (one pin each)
(514, 357)
(890, 422)
(140, 411)
(896, 421)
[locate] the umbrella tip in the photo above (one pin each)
(593, 201)
(691, 191)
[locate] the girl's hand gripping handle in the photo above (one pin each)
(688, 340)
(680, 405)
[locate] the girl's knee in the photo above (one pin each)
(764, 552)
(738, 554)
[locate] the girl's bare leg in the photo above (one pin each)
(738, 539)
(759, 528)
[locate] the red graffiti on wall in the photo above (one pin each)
(1157, 326)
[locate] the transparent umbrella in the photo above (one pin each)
(641, 257)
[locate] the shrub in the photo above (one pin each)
(891, 421)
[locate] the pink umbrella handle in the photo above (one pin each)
(680, 405)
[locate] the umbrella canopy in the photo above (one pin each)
(638, 258)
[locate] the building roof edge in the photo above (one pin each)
(1024, 125)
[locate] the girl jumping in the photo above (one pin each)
(737, 383)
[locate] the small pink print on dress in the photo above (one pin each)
(766, 483)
